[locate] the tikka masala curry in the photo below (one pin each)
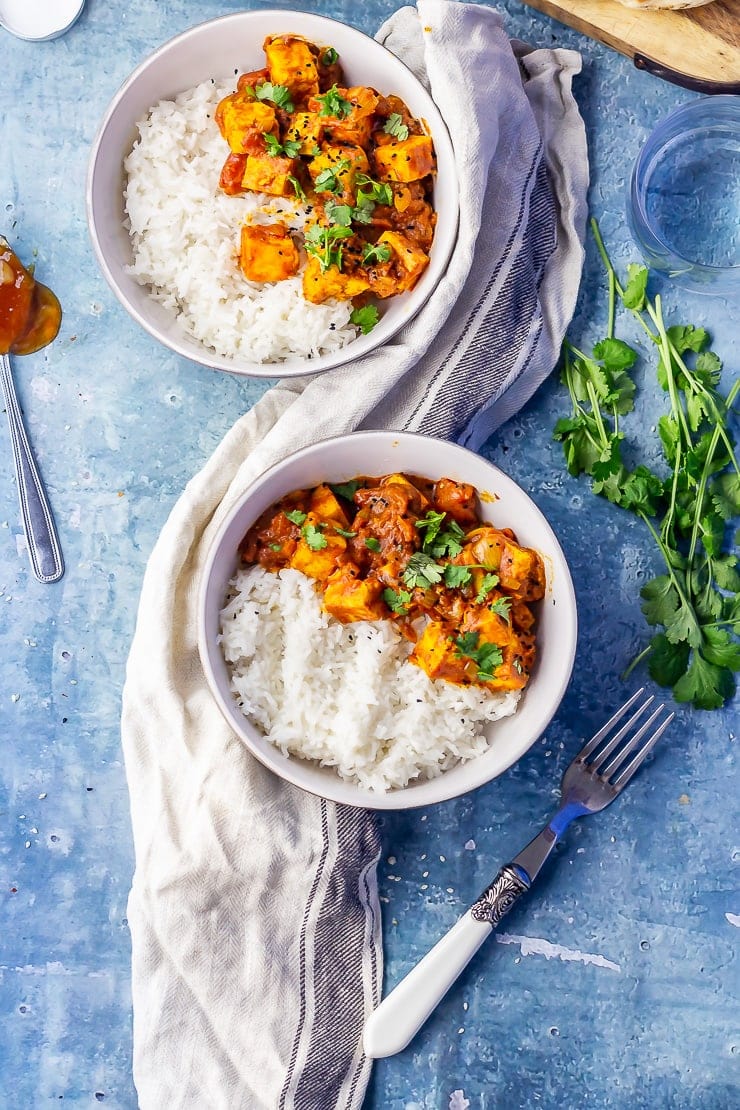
(414, 551)
(358, 162)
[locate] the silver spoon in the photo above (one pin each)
(39, 20)
(41, 534)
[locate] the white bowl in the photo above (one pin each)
(375, 454)
(218, 49)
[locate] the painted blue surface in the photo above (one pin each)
(647, 1014)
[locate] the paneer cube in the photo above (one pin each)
(408, 160)
(319, 550)
(354, 599)
(456, 498)
(319, 287)
(325, 504)
(351, 126)
(305, 128)
(252, 79)
(411, 261)
(267, 253)
(334, 170)
(520, 569)
(264, 173)
(292, 64)
(243, 121)
(436, 653)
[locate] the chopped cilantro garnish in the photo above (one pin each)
(487, 657)
(339, 214)
(343, 532)
(321, 243)
(297, 187)
(455, 576)
(438, 542)
(372, 543)
(329, 57)
(313, 537)
(397, 601)
(347, 490)
(278, 94)
(364, 318)
(276, 546)
(334, 104)
(289, 148)
(422, 571)
(502, 608)
(376, 252)
(369, 190)
(395, 126)
(328, 180)
(295, 516)
(490, 581)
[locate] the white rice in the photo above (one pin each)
(345, 694)
(185, 239)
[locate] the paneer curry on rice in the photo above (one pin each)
(356, 161)
(415, 552)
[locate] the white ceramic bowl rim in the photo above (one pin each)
(513, 736)
(111, 246)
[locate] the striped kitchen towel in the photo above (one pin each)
(254, 915)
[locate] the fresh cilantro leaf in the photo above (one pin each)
(642, 491)
(490, 581)
(397, 601)
(297, 187)
(295, 516)
(430, 525)
(372, 543)
(660, 600)
(455, 576)
(365, 318)
(720, 648)
(708, 368)
(609, 461)
(329, 180)
(705, 684)
(580, 446)
(379, 192)
(329, 56)
(278, 94)
(725, 493)
(725, 574)
(343, 532)
(275, 148)
(395, 126)
(487, 657)
(347, 490)
(447, 542)
(321, 243)
(362, 213)
(422, 571)
(334, 104)
(339, 214)
(614, 354)
(376, 252)
(621, 395)
(502, 608)
(313, 537)
(670, 435)
(712, 530)
(683, 625)
(667, 661)
(687, 338)
(636, 289)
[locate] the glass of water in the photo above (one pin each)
(683, 201)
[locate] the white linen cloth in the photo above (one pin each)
(254, 915)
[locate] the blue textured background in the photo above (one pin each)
(120, 425)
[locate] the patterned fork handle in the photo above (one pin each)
(41, 535)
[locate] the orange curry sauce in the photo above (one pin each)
(30, 314)
(406, 549)
(358, 163)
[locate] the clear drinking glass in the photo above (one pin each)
(683, 201)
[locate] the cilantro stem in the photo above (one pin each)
(636, 662)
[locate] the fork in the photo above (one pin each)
(597, 775)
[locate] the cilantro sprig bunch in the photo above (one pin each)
(695, 604)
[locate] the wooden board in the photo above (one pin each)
(697, 47)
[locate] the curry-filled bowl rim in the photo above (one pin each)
(234, 43)
(374, 453)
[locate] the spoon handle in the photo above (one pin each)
(43, 543)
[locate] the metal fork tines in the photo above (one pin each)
(614, 774)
